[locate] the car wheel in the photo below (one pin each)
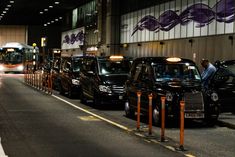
(70, 93)
(61, 89)
(156, 117)
(128, 110)
(82, 97)
(96, 100)
(211, 122)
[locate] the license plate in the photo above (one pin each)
(120, 97)
(194, 115)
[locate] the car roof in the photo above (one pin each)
(163, 60)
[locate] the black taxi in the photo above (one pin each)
(69, 76)
(174, 78)
(103, 78)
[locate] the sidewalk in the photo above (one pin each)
(227, 119)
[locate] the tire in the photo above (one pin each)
(70, 93)
(96, 100)
(211, 122)
(82, 97)
(130, 113)
(61, 89)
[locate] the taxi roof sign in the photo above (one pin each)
(116, 58)
(173, 59)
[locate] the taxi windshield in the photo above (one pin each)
(165, 72)
(107, 66)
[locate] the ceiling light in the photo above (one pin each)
(50, 6)
(12, 2)
(60, 17)
(4, 12)
(57, 2)
(45, 9)
(56, 19)
(8, 5)
(48, 23)
(45, 25)
(40, 12)
(6, 8)
(52, 21)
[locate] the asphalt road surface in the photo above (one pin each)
(36, 124)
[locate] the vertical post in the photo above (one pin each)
(163, 100)
(150, 112)
(182, 105)
(138, 110)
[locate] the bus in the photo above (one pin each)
(14, 57)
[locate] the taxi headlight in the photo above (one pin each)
(20, 68)
(105, 89)
(75, 82)
(169, 96)
(214, 96)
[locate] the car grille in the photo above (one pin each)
(117, 89)
(194, 101)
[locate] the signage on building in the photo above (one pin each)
(72, 39)
(179, 19)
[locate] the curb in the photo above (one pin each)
(226, 124)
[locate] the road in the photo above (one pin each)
(34, 123)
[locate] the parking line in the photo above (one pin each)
(93, 114)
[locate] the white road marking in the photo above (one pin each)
(93, 114)
(2, 153)
(117, 125)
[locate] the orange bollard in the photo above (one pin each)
(182, 105)
(150, 112)
(138, 110)
(163, 100)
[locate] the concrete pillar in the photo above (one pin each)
(109, 26)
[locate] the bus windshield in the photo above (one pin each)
(12, 57)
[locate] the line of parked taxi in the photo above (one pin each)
(115, 80)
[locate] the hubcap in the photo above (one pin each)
(127, 108)
(156, 115)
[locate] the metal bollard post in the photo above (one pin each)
(138, 110)
(182, 105)
(150, 113)
(163, 100)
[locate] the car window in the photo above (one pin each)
(138, 70)
(231, 69)
(223, 75)
(77, 65)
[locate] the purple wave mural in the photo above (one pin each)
(202, 14)
(73, 38)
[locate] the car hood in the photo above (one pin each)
(182, 85)
(114, 79)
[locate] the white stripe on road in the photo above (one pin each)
(117, 125)
(2, 153)
(93, 114)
